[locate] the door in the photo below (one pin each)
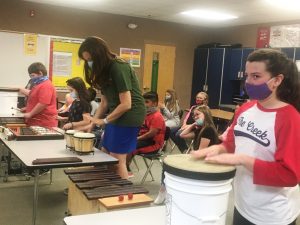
(159, 69)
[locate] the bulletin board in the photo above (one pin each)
(64, 61)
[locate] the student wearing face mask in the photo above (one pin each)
(201, 99)
(79, 107)
(203, 130)
(204, 133)
(263, 142)
(40, 107)
(152, 132)
(170, 109)
(122, 108)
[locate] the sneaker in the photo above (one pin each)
(130, 174)
(161, 197)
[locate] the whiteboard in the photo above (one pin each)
(14, 63)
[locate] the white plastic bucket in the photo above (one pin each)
(197, 191)
(196, 202)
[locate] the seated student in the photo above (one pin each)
(80, 106)
(204, 133)
(93, 102)
(64, 110)
(170, 109)
(152, 132)
(203, 130)
(40, 109)
(201, 99)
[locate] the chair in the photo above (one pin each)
(154, 156)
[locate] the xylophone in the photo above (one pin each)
(25, 133)
(97, 189)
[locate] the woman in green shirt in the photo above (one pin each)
(122, 108)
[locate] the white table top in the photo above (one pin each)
(140, 216)
(27, 151)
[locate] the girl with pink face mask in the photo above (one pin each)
(263, 142)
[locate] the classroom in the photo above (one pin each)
(149, 112)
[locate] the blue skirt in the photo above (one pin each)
(119, 139)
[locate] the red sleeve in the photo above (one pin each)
(45, 93)
(285, 170)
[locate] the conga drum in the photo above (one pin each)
(84, 142)
(69, 138)
(197, 191)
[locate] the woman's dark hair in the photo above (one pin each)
(278, 63)
(102, 57)
(36, 68)
(151, 95)
(78, 84)
(92, 93)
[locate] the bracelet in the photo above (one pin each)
(105, 121)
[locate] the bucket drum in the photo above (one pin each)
(197, 191)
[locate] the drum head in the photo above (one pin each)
(71, 132)
(183, 165)
(84, 135)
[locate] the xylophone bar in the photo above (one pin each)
(86, 170)
(103, 192)
(102, 183)
(93, 176)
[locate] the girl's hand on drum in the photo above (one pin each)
(206, 152)
(233, 159)
(67, 126)
(226, 158)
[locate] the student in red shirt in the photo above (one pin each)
(40, 109)
(152, 132)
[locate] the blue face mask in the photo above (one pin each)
(90, 63)
(258, 92)
(199, 122)
(73, 94)
(38, 80)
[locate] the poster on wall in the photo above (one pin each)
(132, 56)
(263, 37)
(62, 64)
(64, 61)
(30, 44)
(285, 36)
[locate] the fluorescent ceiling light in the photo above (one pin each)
(285, 4)
(209, 15)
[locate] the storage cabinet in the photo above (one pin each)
(221, 72)
(210, 67)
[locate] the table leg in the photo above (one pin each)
(35, 195)
(51, 176)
